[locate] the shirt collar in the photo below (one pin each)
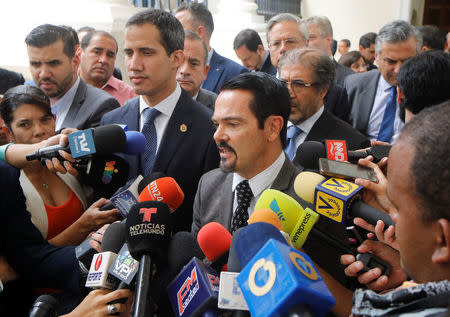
(307, 125)
(66, 101)
(210, 54)
(263, 180)
(112, 82)
(166, 106)
(384, 84)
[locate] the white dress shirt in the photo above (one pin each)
(62, 106)
(166, 108)
(259, 183)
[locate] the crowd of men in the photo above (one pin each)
(225, 131)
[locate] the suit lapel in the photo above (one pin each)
(178, 128)
(367, 98)
(132, 114)
(285, 175)
(319, 128)
(227, 207)
(214, 73)
(78, 99)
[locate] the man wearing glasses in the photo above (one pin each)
(308, 74)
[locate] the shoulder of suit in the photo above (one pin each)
(215, 176)
(229, 64)
(342, 127)
(8, 172)
(208, 93)
(95, 92)
(361, 79)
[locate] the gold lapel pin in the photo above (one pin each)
(183, 128)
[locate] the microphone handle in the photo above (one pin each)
(143, 302)
(301, 310)
(369, 214)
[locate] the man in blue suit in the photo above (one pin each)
(178, 130)
(196, 17)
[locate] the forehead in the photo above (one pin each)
(400, 50)
(194, 48)
(52, 51)
(296, 71)
(103, 41)
(25, 110)
(233, 104)
(142, 36)
(285, 29)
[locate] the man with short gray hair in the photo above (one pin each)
(321, 37)
(373, 98)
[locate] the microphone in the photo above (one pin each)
(125, 197)
(85, 143)
(44, 306)
(164, 189)
(148, 179)
(265, 215)
(148, 228)
(337, 199)
(135, 143)
(377, 151)
(279, 278)
(214, 240)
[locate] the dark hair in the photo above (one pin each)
(430, 167)
(367, 39)
(85, 29)
(349, 58)
(425, 80)
(73, 32)
(433, 37)
(47, 34)
(200, 15)
(19, 95)
(347, 42)
(170, 29)
(323, 68)
(270, 97)
(86, 40)
(248, 37)
(189, 35)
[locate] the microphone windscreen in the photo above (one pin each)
(44, 305)
(308, 154)
(265, 215)
(182, 248)
(114, 237)
(135, 143)
(252, 238)
(164, 189)
(233, 264)
(214, 240)
(148, 179)
(305, 185)
(148, 228)
(109, 139)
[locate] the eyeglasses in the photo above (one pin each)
(297, 84)
(289, 43)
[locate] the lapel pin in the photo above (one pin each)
(183, 128)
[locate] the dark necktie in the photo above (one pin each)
(292, 133)
(387, 125)
(244, 195)
(151, 140)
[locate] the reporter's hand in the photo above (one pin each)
(374, 193)
(97, 238)
(386, 236)
(93, 218)
(7, 273)
(373, 278)
(95, 304)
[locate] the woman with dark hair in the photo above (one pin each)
(353, 60)
(56, 201)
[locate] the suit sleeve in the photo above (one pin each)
(23, 245)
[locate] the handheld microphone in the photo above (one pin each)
(164, 189)
(98, 276)
(265, 215)
(135, 143)
(86, 142)
(148, 179)
(337, 199)
(148, 228)
(214, 240)
(279, 278)
(125, 197)
(44, 306)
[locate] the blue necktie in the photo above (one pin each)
(151, 140)
(387, 125)
(292, 133)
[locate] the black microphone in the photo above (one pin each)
(86, 142)
(148, 229)
(377, 151)
(44, 306)
(148, 179)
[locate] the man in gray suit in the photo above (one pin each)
(250, 115)
(321, 37)
(53, 66)
(193, 71)
(373, 98)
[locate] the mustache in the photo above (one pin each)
(225, 146)
(47, 80)
(131, 74)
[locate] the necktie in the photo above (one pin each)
(244, 195)
(387, 125)
(149, 131)
(292, 133)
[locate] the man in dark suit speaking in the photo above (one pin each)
(178, 130)
(309, 73)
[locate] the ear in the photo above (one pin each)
(400, 95)
(441, 232)
(206, 72)
(260, 49)
(8, 133)
(201, 31)
(361, 48)
(323, 92)
(76, 61)
(177, 58)
(272, 127)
